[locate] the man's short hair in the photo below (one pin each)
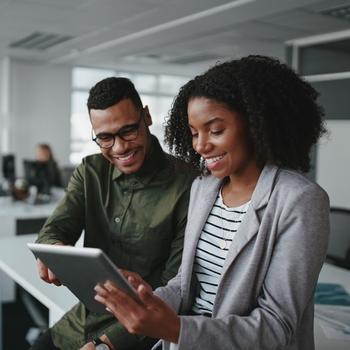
(110, 91)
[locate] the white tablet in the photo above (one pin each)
(80, 269)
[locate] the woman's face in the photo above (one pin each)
(220, 136)
(42, 154)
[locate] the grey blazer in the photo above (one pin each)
(265, 297)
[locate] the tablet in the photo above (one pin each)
(80, 269)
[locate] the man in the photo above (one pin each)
(131, 201)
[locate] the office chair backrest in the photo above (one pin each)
(338, 251)
(66, 173)
(8, 167)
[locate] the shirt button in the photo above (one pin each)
(117, 220)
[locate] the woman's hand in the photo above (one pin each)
(149, 316)
(134, 279)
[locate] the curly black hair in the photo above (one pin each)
(110, 91)
(280, 109)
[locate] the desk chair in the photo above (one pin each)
(66, 173)
(338, 252)
(28, 226)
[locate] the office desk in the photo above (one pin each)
(18, 262)
(10, 213)
(331, 274)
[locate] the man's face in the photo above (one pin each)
(127, 156)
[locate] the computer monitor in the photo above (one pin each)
(8, 167)
(37, 174)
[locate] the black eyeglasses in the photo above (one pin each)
(126, 133)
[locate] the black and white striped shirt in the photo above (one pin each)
(213, 245)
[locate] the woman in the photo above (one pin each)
(44, 154)
(257, 228)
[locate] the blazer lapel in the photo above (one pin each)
(248, 229)
(251, 222)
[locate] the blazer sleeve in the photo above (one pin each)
(287, 291)
(171, 293)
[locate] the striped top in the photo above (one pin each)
(213, 245)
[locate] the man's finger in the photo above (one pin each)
(42, 270)
(53, 279)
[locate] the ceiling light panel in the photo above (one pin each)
(40, 41)
(340, 12)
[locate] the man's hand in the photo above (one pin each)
(150, 316)
(45, 273)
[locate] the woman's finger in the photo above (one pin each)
(110, 286)
(147, 297)
(132, 280)
(100, 289)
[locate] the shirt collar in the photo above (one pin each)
(153, 163)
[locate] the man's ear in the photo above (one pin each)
(147, 116)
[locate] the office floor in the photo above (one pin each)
(16, 323)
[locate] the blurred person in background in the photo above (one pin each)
(44, 154)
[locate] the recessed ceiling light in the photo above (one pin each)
(340, 12)
(40, 41)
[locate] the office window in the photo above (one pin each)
(157, 92)
(85, 78)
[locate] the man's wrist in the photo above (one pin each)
(103, 339)
(99, 344)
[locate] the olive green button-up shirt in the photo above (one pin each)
(138, 220)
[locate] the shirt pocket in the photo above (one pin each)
(147, 247)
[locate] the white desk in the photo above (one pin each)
(10, 212)
(331, 274)
(17, 261)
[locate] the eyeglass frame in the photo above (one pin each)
(118, 133)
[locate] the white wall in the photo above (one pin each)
(40, 109)
(1, 112)
(4, 102)
(333, 163)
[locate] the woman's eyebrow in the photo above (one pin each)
(211, 121)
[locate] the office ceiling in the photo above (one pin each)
(159, 35)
